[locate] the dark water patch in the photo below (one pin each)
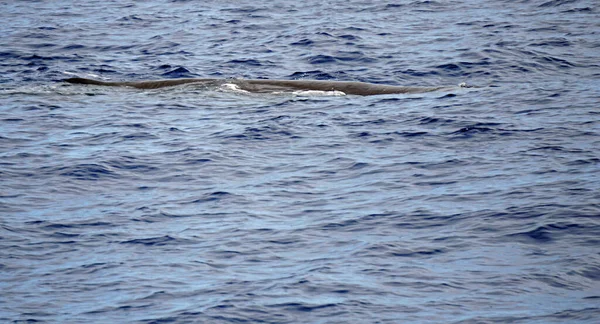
(244, 10)
(88, 172)
(378, 121)
(73, 47)
(315, 75)
(425, 3)
(349, 37)
(555, 148)
(520, 213)
(56, 225)
(302, 307)
(36, 58)
(555, 281)
(540, 234)
(282, 119)
(321, 59)
(386, 100)
(449, 67)
(395, 5)
(46, 225)
(138, 136)
(469, 131)
(586, 315)
(444, 164)
(350, 225)
(166, 215)
(212, 197)
(104, 70)
(425, 219)
(175, 106)
(61, 235)
(303, 42)
(8, 55)
(328, 35)
(249, 62)
(158, 241)
(92, 268)
(130, 18)
(418, 73)
(411, 253)
(355, 56)
(434, 183)
(410, 134)
(390, 250)
(136, 125)
(104, 138)
(436, 121)
(449, 95)
(197, 161)
(548, 233)
(13, 120)
(582, 162)
(164, 67)
(577, 10)
(589, 272)
(354, 29)
(555, 62)
(559, 42)
(556, 3)
(44, 45)
(362, 134)
(462, 69)
(347, 57)
(179, 72)
(263, 133)
(111, 48)
(130, 164)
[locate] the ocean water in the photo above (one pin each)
(196, 205)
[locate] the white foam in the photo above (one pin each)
(87, 75)
(317, 93)
(232, 87)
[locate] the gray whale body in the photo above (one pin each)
(266, 85)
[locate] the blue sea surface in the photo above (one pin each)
(208, 205)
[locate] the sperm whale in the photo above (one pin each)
(268, 85)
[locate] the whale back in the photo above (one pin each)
(266, 85)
